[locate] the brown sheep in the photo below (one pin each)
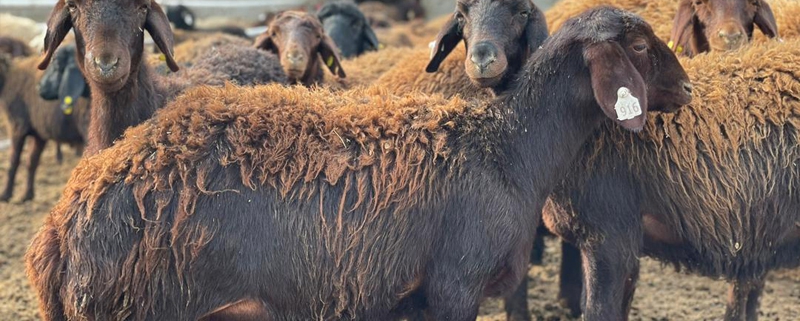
(356, 205)
(28, 115)
(124, 90)
(705, 25)
(709, 189)
(297, 38)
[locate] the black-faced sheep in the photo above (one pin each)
(353, 205)
(709, 189)
(28, 115)
(493, 56)
(348, 28)
(298, 39)
(125, 92)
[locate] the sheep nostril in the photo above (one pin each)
(106, 64)
(687, 87)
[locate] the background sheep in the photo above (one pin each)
(340, 167)
(297, 38)
(14, 47)
(124, 90)
(347, 27)
(28, 115)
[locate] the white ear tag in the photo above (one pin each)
(627, 105)
(432, 46)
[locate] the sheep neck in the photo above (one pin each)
(113, 112)
(550, 117)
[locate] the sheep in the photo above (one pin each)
(63, 81)
(297, 38)
(347, 27)
(708, 189)
(404, 10)
(187, 53)
(366, 69)
(28, 115)
(491, 60)
(14, 47)
(19, 27)
(702, 26)
(124, 90)
(661, 14)
(371, 207)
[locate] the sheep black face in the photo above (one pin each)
(297, 38)
(630, 69)
(62, 80)
(499, 36)
(720, 25)
(348, 27)
(109, 36)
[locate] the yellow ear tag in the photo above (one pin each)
(680, 49)
(329, 62)
(381, 46)
(68, 111)
(163, 57)
(670, 44)
(68, 100)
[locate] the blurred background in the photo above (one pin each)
(247, 10)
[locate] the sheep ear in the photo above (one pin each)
(536, 30)
(446, 40)
(58, 25)
(370, 38)
(611, 71)
(329, 53)
(264, 42)
(72, 86)
(765, 20)
(681, 27)
(157, 25)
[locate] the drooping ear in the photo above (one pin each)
(157, 25)
(330, 55)
(765, 20)
(536, 30)
(58, 25)
(446, 40)
(610, 70)
(682, 27)
(370, 38)
(264, 42)
(72, 86)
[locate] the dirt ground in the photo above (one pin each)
(662, 294)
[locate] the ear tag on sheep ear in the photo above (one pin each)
(381, 46)
(67, 106)
(671, 45)
(627, 106)
(162, 57)
(329, 61)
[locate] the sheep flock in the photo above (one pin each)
(369, 160)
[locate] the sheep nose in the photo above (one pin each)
(730, 37)
(296, 57)
(106, 64)
(687, 87)
(483, 55)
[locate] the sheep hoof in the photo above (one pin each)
(4, 198)
(28, 197)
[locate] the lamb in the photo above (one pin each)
(28, 115)
(297, 38)
(708, 189)
(368, 205)
(124, 90)
(347, 27)
(491, 60)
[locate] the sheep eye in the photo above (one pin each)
(525, 14)
(699, 2)
(460, 17)
(71, 6)
(639, 48)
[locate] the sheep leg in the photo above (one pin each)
(743, 297)
(516, 305)
(611, 272)
(33, 164)
(570, 279)
(17, 142)
(59, 155)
